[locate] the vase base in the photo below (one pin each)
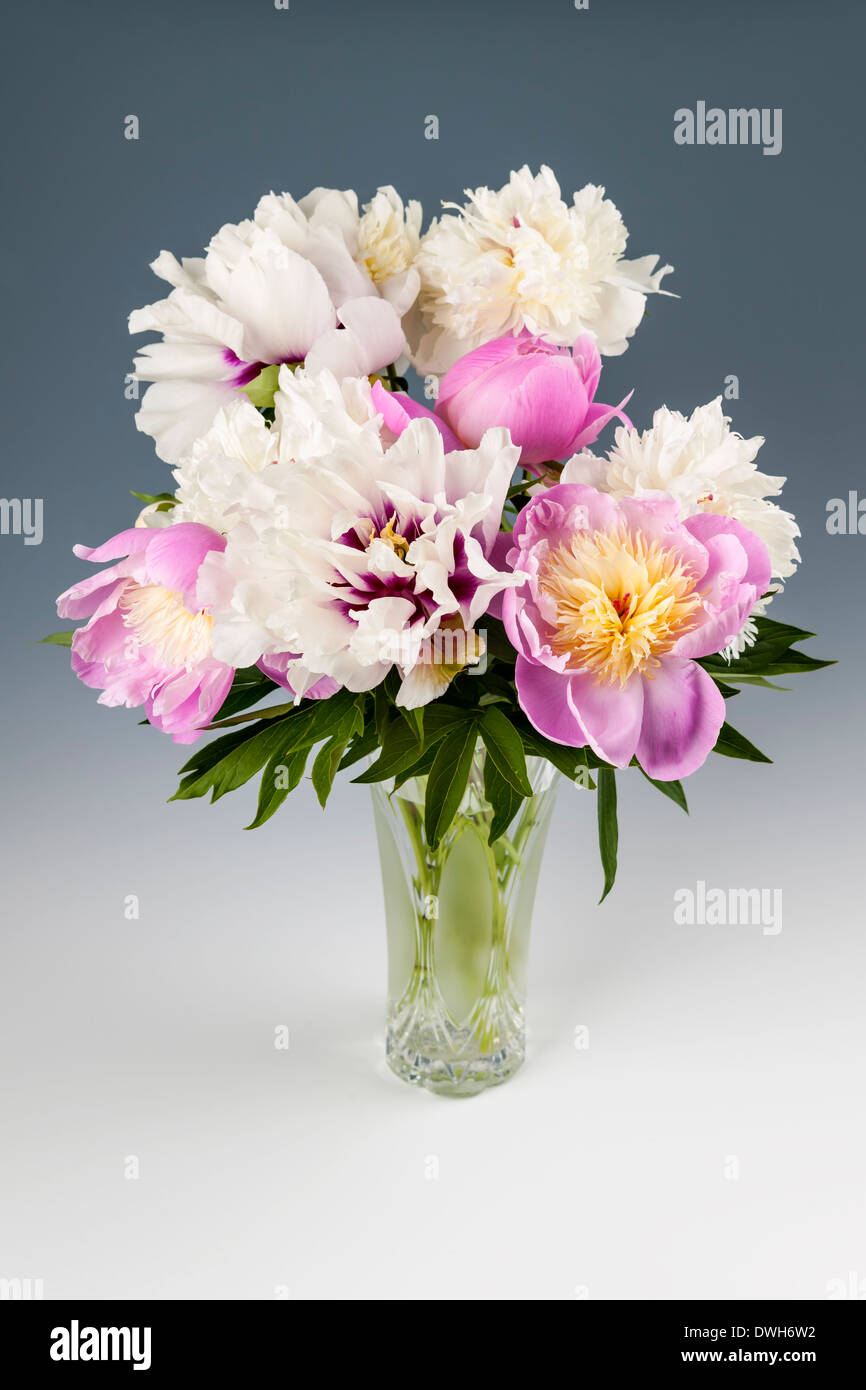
(457, 1070)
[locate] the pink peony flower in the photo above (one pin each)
(620, 599)
(543, 394)
(148, 638)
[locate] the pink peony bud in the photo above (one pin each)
(543, 394)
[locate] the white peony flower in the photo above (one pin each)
(522, 258)
(705, 465)
(310, 281)
(218, 475)
(388, 239)
(352, 553)
(221, 478)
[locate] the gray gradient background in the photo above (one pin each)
(599, 1171)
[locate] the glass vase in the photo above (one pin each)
(458, 919)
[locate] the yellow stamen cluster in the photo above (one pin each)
(160, 619)
(621, 602)
(392, 537)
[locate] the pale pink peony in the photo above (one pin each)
(620, 599)
(148, 638)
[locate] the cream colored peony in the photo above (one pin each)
(388, 239)
(705, 465)
(520, 258)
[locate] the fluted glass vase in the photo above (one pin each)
(458, 919)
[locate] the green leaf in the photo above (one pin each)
(237, 766)
(150, 499)
(749, 680)
(400, 747)
(771, 631)
(57, 639)
(382, 710)
(794, 663)
(208, 754)
(441, 719)
(415, 719)
(503, 798)
(673, 790)
(262, 389)
(281, 775)
(240, 755)
(248, 687)
(327, 760)
(608, 830)
(573, 763)
(499, 645)
(447, 780)
(399, 750)
(728, 691)
(735, 745)
(505, 748)
(325, 765)
(272, 712)
(771, 654)
(361, 747)
(419, 769)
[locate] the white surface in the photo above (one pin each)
(598, 1172)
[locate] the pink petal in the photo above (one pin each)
(189, 700)
(175, 555)
(469, 368)
(588, 359)
(759, 569)
(124, 543)
(683, 713)
(594, 421)
(539, 398)
(543, 696)
(553, 512)
(609, 715)
(82, 599)
(398, 410)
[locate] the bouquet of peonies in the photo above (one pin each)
(411, 580)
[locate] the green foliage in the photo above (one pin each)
(447, 779)
(57, 639)
(163, 501)
(281, 775)
(438, 741)
(248, 687)
(771, 654)
(262, 389)
(230, 761)
(672, 790)
(608, 827)
(735, 745)
(504, 749)
(503, 798)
